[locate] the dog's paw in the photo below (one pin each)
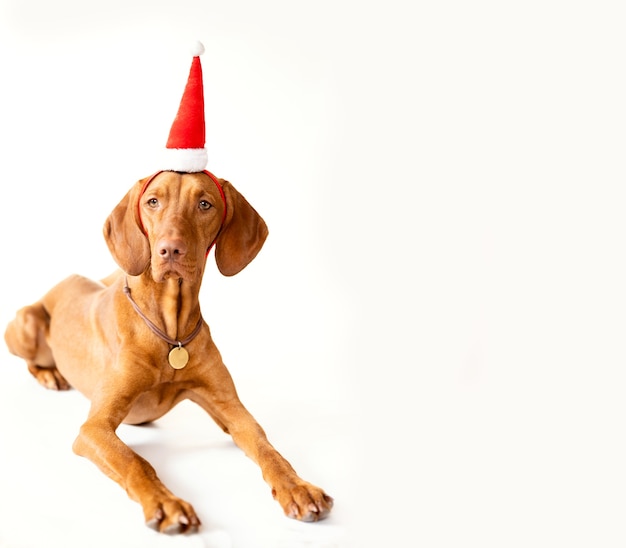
(304, 501)
(172, 517)
(49, 377)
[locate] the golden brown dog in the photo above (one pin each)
(96, 337)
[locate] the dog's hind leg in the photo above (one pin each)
(26, 338)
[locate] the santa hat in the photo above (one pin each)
(185, 150)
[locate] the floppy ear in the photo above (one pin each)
(242, 235)
(122, 232)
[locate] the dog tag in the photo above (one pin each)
(178, 357)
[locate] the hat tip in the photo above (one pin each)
(197, 49)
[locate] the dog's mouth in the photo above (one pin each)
(169, 275)
(166, 270)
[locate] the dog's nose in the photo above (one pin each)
(171, 249)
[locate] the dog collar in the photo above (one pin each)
(217, 184)
(178, 355)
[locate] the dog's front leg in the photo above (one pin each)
(98, 442)
(298, 498)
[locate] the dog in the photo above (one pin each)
(136, 345)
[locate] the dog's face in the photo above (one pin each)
(181, 216)
(169, 225)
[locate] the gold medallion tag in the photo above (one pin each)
(178, 357)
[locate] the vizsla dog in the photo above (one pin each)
(136, 345)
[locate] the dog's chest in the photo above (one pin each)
(154, 403)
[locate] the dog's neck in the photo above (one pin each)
(172, 305)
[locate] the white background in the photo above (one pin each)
(434, 330)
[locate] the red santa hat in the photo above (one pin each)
(185, 150)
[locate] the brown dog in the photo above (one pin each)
(96, 337)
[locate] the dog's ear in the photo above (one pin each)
(242, 235)
(124, 236)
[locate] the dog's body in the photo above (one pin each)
(88, 335)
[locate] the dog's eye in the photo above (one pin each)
(204, 205)
(153, 203)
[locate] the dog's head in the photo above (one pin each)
(169, 225)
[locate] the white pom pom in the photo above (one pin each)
(197, 49)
